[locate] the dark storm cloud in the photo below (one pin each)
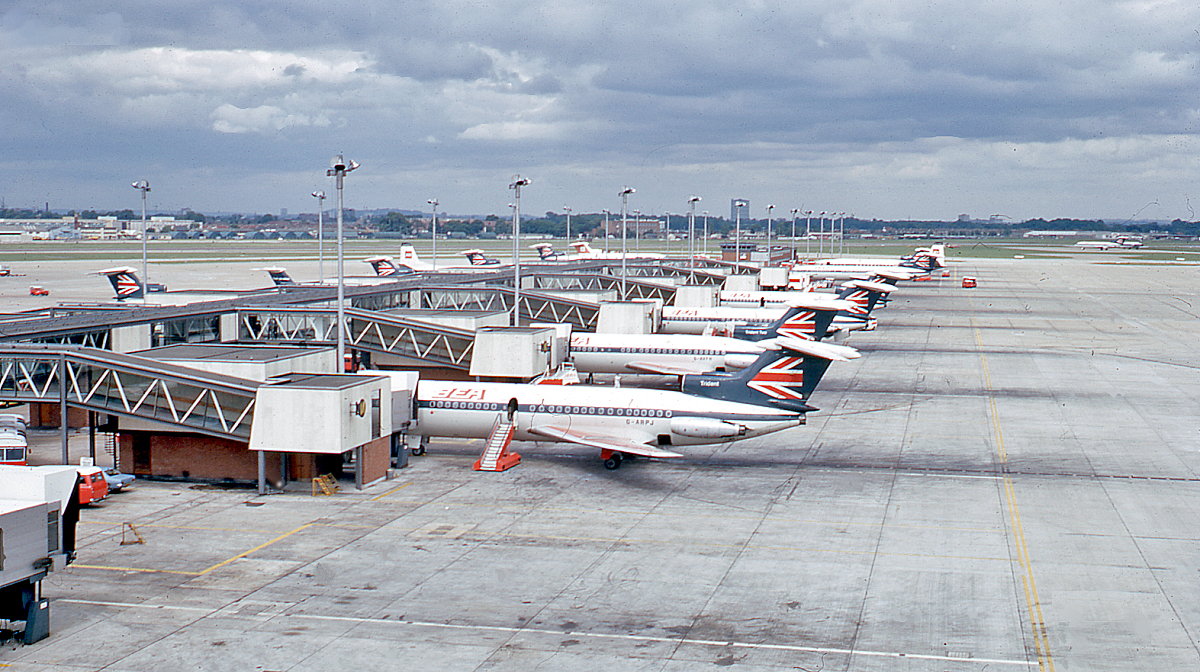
(869, 92)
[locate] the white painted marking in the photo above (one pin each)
(957, 657)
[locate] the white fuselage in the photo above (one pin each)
(470, 410)
(695, 320)
(771, 299)
(622, 353)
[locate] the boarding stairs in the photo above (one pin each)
(496, 455)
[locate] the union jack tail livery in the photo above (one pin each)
(385, 266)
(280, 276)
(126, 284)
(782, 377)
(477, 258)
(796, 322)
(545, 252)
(865, 295)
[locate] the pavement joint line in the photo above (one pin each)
(679, 641)
(1037, 621)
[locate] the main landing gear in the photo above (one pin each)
(612, 459)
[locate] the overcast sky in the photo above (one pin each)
(883, 108)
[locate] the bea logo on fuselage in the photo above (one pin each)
(459, 394)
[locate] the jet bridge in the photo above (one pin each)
(129, 386)
(535, 306)
(447, 347)
(634, 288)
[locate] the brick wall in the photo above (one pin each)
(196, 456)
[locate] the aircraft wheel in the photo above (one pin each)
(613, 462)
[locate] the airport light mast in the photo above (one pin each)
(807, 234)
(607, 233)
(795, 212)
(338, 167)
(144, 186)
(821, 241)
(434, 203)
(705, 248)
(320, 196)
(568, 211)
(737, 236)
(624, 194)
(769, 209)
(516, 185)
(692, 201)
(637, 231)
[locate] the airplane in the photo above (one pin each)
(923, 261)
(584, 252)
(410, 262)
(1123, 242)
(766, 397)
(862, 292)
(281, 278)
(126, 283)
(746, 323)
(681, 354)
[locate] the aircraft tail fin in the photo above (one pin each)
(125, 282)
(782, 377)
(545, 252)
(384, 266)
(864, 295)
(801, 322)
(478, 258)
(279, 276)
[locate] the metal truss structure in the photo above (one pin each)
(448, 347)
(129, 386)
(535, 306)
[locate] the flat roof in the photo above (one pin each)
(419, 313)
(224, 352)
(321, 381)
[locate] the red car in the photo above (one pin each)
(968, 282)
(38, 290)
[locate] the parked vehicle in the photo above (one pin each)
(92, 486)
(38, 290)
(116, 480)
(968, 282)
(13, 449)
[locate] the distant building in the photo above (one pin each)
(733, 208)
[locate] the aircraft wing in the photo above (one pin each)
(602, 441)
(664, 370)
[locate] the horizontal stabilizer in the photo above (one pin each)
(814, 301)
(117, 269)
(834, 353)
(893, 275)
(601, 441)
(870, 286)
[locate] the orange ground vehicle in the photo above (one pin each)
(968, 282)
(38, 290)
(92, 486)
